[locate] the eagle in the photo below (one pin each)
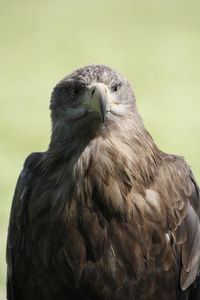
(103, 214)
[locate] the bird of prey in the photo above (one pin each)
(103, 214)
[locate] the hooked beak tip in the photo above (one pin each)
(100, 98)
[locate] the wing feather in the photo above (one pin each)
(15, 240)
(188, 237)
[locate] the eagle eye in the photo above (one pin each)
(115, 88)
(74, 92)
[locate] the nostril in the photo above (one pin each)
(92, 91)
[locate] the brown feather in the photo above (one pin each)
(103, 213)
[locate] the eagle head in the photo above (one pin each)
(88, 101)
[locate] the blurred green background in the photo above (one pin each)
(154, 43)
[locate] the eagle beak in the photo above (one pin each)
(99, 100)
